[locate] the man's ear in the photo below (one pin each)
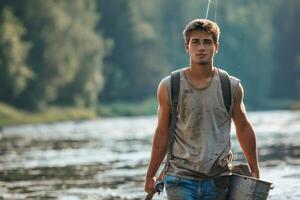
(217, 46)
(186, 46)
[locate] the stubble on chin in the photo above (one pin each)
(203, 62)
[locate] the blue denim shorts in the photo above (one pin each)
(188, 189)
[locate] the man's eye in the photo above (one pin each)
(207, 42)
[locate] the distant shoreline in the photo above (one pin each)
(9, 115)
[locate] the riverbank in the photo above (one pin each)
(10, 115)
(147, 107)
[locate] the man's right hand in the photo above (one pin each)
(149, 185)
(255, 174)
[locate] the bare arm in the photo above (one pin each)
(160, 140)
(245, 132)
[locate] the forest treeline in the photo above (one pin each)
(74, 52)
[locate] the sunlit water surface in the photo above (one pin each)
(107, 158)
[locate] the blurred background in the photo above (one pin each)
(81, 60)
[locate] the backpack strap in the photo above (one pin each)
(226, 89)
(175, 89)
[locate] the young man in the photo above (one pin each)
(201, 150)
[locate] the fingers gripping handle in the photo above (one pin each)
(158, 187)
(149, 196)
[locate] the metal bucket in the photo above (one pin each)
(248, 188)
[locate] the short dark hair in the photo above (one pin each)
(201, 25)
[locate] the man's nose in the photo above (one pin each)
(201, 45)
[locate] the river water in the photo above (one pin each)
(107, 158)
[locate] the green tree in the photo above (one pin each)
(66, 54)
(14, 72)
(246, 46)
(286, 79)
(90, 49)
(134, 67)
(173, 21)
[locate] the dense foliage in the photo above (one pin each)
(73, 52)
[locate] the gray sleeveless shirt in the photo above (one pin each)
(201, 147)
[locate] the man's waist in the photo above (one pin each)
(198, 176)
(198, 170)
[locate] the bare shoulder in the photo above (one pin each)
(163, 110)
(239, 111)
(239, 95)
(162, 94)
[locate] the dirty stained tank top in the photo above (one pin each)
(201, 147)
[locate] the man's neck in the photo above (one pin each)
(201, 71)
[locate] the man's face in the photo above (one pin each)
(201, 47)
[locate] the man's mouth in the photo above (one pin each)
(201, 55)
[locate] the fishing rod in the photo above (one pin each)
(208, 8)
